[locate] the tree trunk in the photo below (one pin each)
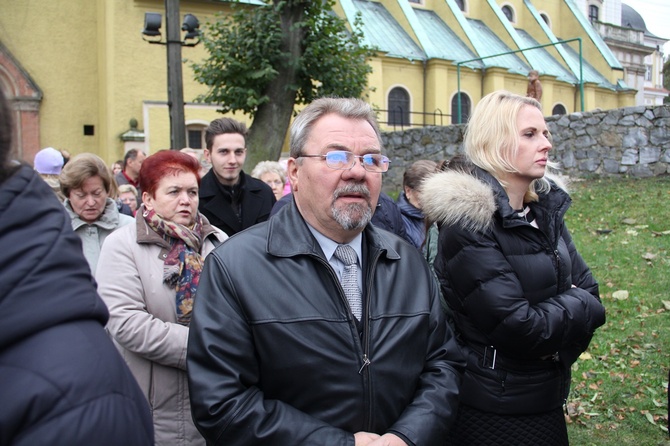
(268, 131)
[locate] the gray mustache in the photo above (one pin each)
(352, 189)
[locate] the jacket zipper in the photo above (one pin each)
(365, 370)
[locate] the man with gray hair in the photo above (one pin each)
(315, 327)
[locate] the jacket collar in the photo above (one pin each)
(219, 206)
(472, 200)
(209, 185)
(288, 236)
(109, 219)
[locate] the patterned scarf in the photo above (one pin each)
(183, 264)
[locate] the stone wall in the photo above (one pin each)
(632, 141)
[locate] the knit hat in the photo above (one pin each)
(49, 161)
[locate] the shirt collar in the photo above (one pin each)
(329, 246)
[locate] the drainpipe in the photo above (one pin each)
(425, 76)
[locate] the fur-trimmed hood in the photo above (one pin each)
(458, 198)
(470, 200)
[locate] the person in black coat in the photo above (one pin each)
(62, 381)
(523, 301)
(229, 198)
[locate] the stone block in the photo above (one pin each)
(660, 136)
(636, 137)
(610, 138)
(659, 169)
(641, 171)
(610, 166)
(649, 155)
(568, 160)
(630, 157)
(589, 165)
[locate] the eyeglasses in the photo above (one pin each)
(344, 160)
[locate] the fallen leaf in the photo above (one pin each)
(585, 356)
(628, 221)
(648, 256)
(650, 417)
(666, 304)
(620, 295)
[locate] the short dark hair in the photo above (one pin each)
(221, 126)
(130, 155)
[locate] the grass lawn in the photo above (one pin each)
(622, 229)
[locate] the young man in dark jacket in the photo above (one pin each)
(229, 198)
(62, 380)
(294, 340)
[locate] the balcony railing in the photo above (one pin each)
(399, 119)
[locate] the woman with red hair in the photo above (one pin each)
(148, 274)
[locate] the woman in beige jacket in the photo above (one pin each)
(147, 275)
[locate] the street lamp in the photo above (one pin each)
(152, 26)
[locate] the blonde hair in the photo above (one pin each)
(81, 168)
(123, 188)
(491, 139)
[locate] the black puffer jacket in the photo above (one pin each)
(274, 357)
(61, 379)
(510, 287)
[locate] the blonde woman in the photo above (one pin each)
(523, 300)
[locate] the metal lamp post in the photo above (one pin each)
(152, 24)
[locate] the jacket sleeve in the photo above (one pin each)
(479, 277)
(130, 322)
(227, 405)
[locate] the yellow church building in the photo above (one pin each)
(82, 77)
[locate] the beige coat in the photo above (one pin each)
(144, 325)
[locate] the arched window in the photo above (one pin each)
(465, 108)
(398, 107)
(545, 17)
(461, 5)
(509, 12)
(558, 109)
(593, 13)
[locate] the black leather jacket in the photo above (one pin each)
(274, 357)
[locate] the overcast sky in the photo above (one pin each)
(656, 15)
